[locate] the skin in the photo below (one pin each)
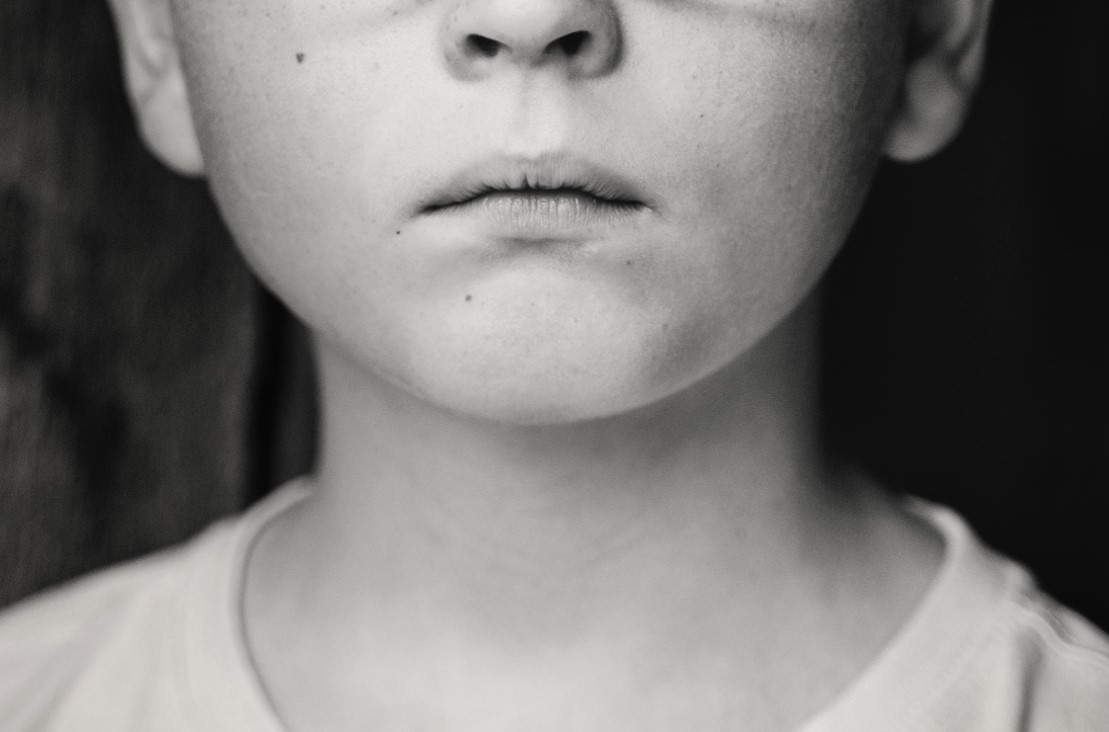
(573, 484)
(755, 125)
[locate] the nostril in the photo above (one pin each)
(482, 46)
(570, 44)
(578, 39)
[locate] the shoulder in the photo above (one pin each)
(1058, 660)
(985, 651)
(65, 651)
(152, 644)
(1022, 661)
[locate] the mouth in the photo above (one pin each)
(539, 183)
(553, 197)
(536, 198)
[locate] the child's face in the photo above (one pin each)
(750, 128)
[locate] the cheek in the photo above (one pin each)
(778, 121)
(768, 134)
(299, 128)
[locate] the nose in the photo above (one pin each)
(581, 37)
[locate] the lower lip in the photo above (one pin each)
(545, 214)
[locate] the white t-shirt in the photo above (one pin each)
(157, 645)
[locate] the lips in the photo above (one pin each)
(541, 184)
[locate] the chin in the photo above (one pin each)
(540, 403)
(549, 381)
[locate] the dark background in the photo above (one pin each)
(148, 385)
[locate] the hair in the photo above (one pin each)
(128, 325)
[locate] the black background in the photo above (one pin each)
(969, 315)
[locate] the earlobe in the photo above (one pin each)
(933, 107)
(941, 75)
(155, 83)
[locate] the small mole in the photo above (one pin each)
(629, 263)
(469, 297)
(398, 233)
(300, 58)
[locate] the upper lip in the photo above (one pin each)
(550, 171)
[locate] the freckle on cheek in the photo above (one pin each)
(469, 298)
(300, 58)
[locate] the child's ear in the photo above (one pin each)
(155, 83)
(946, 49)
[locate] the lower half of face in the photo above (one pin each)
(707, 174)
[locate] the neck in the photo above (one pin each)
(411, 498)
(700, 544)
